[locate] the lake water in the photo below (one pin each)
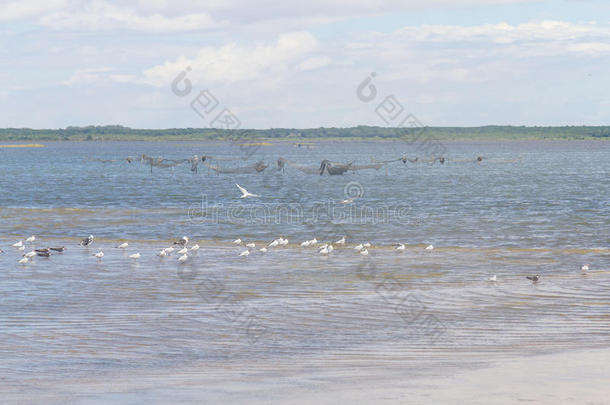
(536, 207)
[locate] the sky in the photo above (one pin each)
(303, 64)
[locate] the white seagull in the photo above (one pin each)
(325, 250)
(341, 241)
(30, 254)
(99, 255)
(283, 241)
(182, 251)
(584, 267)
(31, 239)
(429, 247)
(251, 245)
(493, 278)
(195, 247)
(400, 246)
(169, 249)
(24, 260)
(237, 241)
(18, 244)
(263, 250)
(162, 253)
(123, 245)
(244, 253)
(183, 258)
(359, 247)
(245, 193)
(135, 256)
(306, 243)
(274, 243)
(366, 245)
(21, 249)
(364, 252)
(313, 241)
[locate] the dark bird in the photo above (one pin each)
(42, 250)
(1, 251)
(534, 278)
(43, 254)
(58, 249)
(182, 241)
(87, 241)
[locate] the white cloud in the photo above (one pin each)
(101, 15)
(21, 9)
(232, 63)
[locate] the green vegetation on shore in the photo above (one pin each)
(490, 132)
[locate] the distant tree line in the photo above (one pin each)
(118, 132)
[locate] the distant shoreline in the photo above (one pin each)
(360, 133)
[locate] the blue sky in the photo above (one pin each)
(298, 64)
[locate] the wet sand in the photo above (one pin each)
(573, 377)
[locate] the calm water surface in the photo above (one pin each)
(527, 208)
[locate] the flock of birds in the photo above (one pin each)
(182, 250)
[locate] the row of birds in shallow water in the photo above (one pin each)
(182, 249)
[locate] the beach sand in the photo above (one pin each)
(573, 377)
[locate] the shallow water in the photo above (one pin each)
(529, 207)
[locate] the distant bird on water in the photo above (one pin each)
(182, 241)
(245, 193)
(340, 241)
(534, 278)
(182, 251)
(263, 250)
(31, 239)
(251, 245)
(58, 249)
(195, 247)
(364, 252)
(99, 255)
(135, 256)
(429, 247)
(400, 246)
(237, 241)
(23, 261)
(18, 244)
(584, 268)
(492, 278)
(183, 258)
(43, 254)
(123, 245)
(245, 253)
(87, 241)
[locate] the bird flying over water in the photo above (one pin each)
(245, 193)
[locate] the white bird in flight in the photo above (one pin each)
(245, 193)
